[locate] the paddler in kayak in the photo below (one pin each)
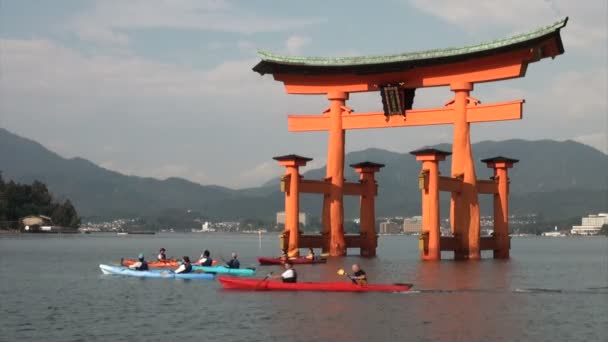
(161, 255)
(289, 275)
(185, 267)
(311, 254)
(141, 264)
(205, 259)
(358, 277)
(234, 261)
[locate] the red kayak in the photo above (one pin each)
(279, 261)
(237, 283)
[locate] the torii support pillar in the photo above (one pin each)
(291, 184)
(430, 236)
(333, 202)
(367, 213)
(501, 204)
(464, 206)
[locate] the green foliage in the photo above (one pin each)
(20, 200)
(604, 230)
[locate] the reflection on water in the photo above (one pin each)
(551, 289)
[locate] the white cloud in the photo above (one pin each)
(295, 43)
(102, 35)
(68, 82)
(586, 28)
(101, 22)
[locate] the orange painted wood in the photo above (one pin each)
(499, 67)
(353, 189)
(314, 186)
(487, 186)
(487, 243)
(416, 117)
(450, 184)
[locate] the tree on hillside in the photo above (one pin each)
(20, 200)
(65, 215)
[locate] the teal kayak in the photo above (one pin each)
(225, 270)
(125, 271)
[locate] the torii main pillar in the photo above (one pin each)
(333, 203)
(464, 206)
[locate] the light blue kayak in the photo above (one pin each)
(225, 270)
(125, 271)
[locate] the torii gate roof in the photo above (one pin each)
(546, 40)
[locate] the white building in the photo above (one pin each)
(590, 225)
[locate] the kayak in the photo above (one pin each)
(121, 270)
(157, 264)
(225, 270)
(279, 261)
(234, 283)
(152, 264)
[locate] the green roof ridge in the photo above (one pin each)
(411, 56)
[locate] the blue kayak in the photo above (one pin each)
(125, 271)
(225, 270)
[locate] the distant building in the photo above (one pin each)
(554, 233)
(36, 223)
(412, 225)
(590, 225)
(303, 218)
(389, 228)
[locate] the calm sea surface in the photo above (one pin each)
(51, 289)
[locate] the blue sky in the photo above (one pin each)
(164, 88)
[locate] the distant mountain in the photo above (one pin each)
(556, 179)
(96, 191)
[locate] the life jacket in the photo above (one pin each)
(293, 279)
(207, 262)
(188, 268)
(234, 263)
(143, 267)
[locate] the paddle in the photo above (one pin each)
(263, 280)
(355, 281)
(343, 273)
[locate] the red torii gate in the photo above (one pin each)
(397, 77)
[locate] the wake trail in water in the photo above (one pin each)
(532, 290)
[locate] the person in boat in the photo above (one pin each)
(205, 259)
(289, 275)
(161, 255)
(141, 264)
(234, 261)
(311, 254)
(185, 267)
(283, 256)
(359, 277)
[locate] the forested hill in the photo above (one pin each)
(555, 179)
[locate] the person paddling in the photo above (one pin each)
(359, 276)
(161, 255)
(141, 264)
(311, 254)
(290, 275)
(205, 259)
(234, 261)
(185, 267)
